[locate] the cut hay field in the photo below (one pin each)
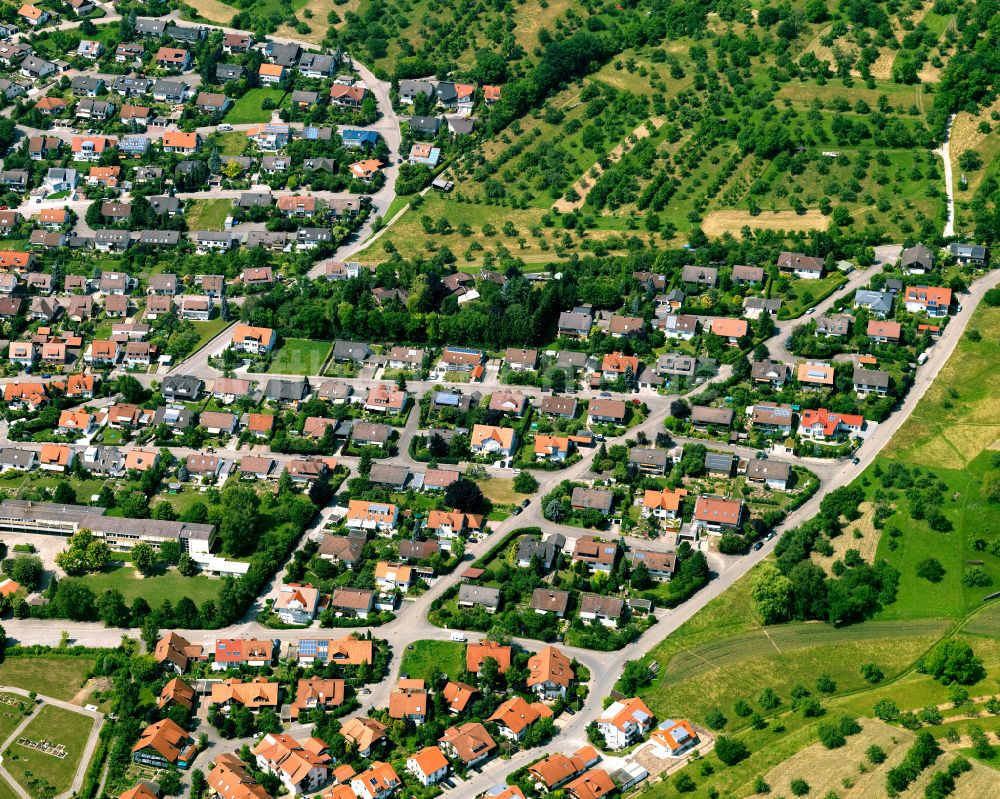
(718, 223)
(213, 10)
(866, 544)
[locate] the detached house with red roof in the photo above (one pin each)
(716, 515)
(235, 652)
(297, 604)
(821, 424)
(931, 300)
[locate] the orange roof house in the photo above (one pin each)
(252, 695)
(731, 329)
(475, 654)
(176, 692)
(141, 459)
(317, 692)
(616, 363)
(550, 673)
(55, 456)
(230, 779)
(299, 765)
(364, 733)
(815, 375)
(176, 141)
(409, 701)
(487, 438)
(515, 715)
(366, 169)
(458, 695)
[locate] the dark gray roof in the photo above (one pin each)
(286, 389)
(350, 351)
(760, 469)
(645, 455)
(479, 595)
(871, 377)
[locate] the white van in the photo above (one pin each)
(458, 637)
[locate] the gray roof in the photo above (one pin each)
(578, 322)
(461, 126)
(176, 418)
(85, 83)
(159, 237)
(646, 455)
(253, 199)
(753, 303)
(880, 301)
(769, 370)
(317, 62)
(163, 86)
(702, 275)
(593, 498)
(719, 461)
(233, 71)
(387, 474)
(350, 351)
(164, 204)
(148, 25)
(479, 595)
(74, 517)
(706, 415)
(546, 551)
(423, 124)
(181, 384)
(284, 54)
(411, 87)
(871, 377)
(286, 389)
(760, 469)
(975, 251)
(918, 255)
(14, 457)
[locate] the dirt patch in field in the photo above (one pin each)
(717, 223)
(586, 183)
(91, 687)
(213, 10)
(866, 544)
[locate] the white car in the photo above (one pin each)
(225, 126)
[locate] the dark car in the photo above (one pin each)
(757, 545)
(856, 461)
(525, 503)
(515, 512)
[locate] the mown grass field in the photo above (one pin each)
(425, 658)
(298, 356)
(50, 675)
(209, 214)
(155, 589)
(39, 772)
(248, 107)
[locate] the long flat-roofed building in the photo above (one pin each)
(53, 518)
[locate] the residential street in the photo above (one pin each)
(411, 624)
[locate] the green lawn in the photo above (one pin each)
(423, 658)
(12, 715)
(44, 775)
(231, 142)
(299, 356)
(209, 214)
(803, 294)
(50, 675)
(154, 590)
(248, 108)
(207, 331)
